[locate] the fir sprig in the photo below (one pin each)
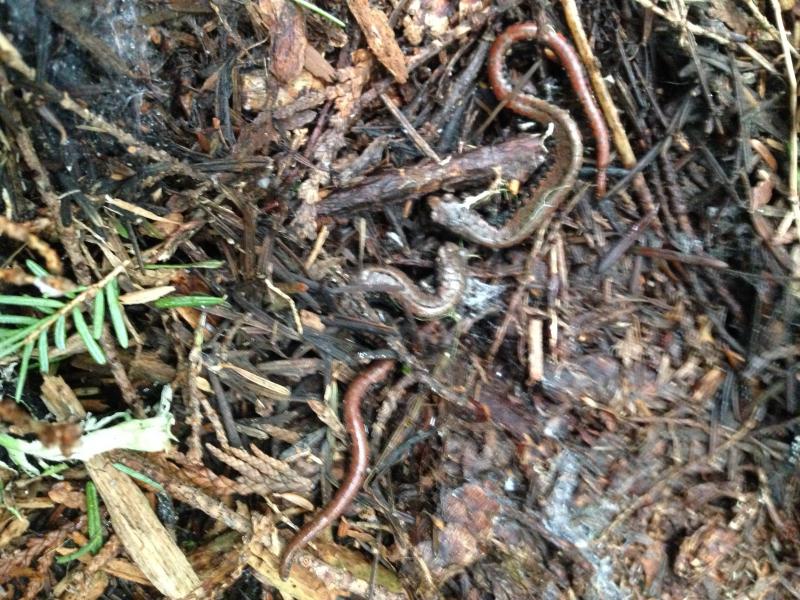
(26, 332)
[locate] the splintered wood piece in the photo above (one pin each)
(380, 38)
(145, 539)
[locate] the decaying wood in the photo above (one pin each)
(515, 159)
(287, 30)
(145, 539)
(380, 37)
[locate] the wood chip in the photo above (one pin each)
(316, 64)
(60, 400)
(146, 540)
(380, 38)
(287, 30)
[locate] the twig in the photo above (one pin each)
(516, 158)
(225, 413)
(535, 351)
(689, 259)
(418, 140)
(621, 142)
(193, 418)
(126, 387)
(625, 242)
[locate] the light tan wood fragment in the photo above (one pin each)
(60, 400)
(145, 539)
(380, 38)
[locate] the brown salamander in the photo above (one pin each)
(452, 275)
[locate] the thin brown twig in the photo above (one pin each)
(620, 137)
(418, 140)
(194, 417)
(601, 92)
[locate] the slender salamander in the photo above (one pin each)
(452, 275)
